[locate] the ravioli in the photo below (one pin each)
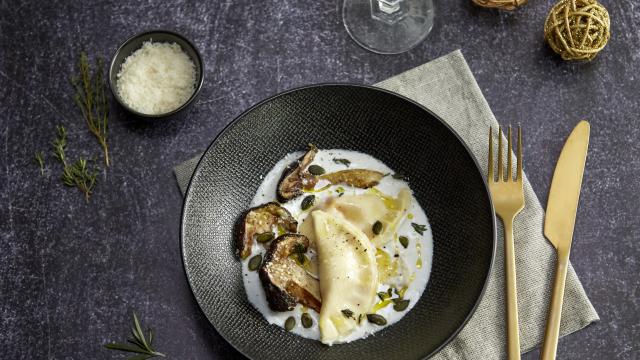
(363, 211)
(395, 266)
(396, 209)
(348, 275)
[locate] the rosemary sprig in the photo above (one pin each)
(91, 98)
(39, 156)
(76, 174)
(139, 344)
(60, 144)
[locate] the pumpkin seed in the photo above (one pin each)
(383, 295)
(377, 319)
(404, 241)
(255, 262)
(308, 202)
(400, 304)
(399, 176)
(347, 313)
(316, 170)
(389, 290)
(290, 323)
(265, 237)
(377, 227)
(306, 320)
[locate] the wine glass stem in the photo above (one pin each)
(388, 11)
(388, 7)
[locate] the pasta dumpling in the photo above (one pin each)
(348, 275)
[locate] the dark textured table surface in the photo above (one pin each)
(72, 272)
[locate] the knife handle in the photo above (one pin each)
(513, 335)
(555, 309)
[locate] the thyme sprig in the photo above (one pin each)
(344, 162)
(76, 174)
(420, 229)
(39, 156)
(139, 344)
(91, 98)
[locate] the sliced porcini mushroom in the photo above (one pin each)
(295, 177)
(262, 219)
(284, 281)
(360, 178)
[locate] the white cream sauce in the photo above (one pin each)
(417, 257)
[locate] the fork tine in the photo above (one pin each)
(490, 176)
(500, 170)
(509, 168)
(519, 172)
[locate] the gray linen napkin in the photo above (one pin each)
(447, 87)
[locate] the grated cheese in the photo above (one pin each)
(157, 78)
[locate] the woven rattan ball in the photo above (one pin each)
(577, 29)
(500, 4)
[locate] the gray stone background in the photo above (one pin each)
(72, 272)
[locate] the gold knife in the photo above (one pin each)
(560, 220)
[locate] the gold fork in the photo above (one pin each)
(508, 201)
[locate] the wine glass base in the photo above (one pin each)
(385, 33)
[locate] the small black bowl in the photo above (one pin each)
(134, 43)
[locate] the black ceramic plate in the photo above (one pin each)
(443, 175)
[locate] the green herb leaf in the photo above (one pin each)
(60, 144)
(138, 344)
(135, 341)
(420, 229)
(77, 174)
(91, 98)
(399, 176)
(138, 334)
(347, 313)
(344, 162)
(39, 156)
(383, 295)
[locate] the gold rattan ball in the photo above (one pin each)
(577, 29)
(500, 4)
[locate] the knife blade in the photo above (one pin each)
(559, 223)
(564, 194)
